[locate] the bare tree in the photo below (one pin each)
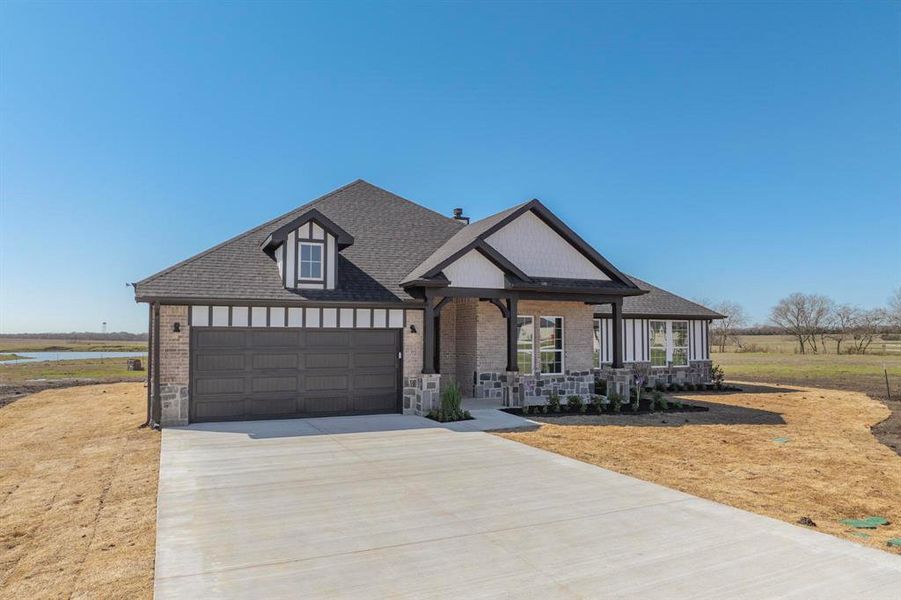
(790, 314)
(869, 323)
(819, 311)
(894, 309)
(842, 324)
(803, 316)
(727, 328)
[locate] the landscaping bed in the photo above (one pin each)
(594, 409)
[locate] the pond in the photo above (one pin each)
(29, 357)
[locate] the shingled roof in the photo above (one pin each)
(394, 239)
(659, 303)
(392, 235)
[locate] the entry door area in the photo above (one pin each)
(249, 373)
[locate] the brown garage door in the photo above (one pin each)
(249, 373)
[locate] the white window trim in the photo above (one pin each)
(600, 351)
(321, 245)
(532, 350)
(670, 346)
(537, 340)
(667, 334)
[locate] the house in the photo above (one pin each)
(364, 302)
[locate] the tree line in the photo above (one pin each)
(813, 320)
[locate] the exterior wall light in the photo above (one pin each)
(176, 327)
(412, 328)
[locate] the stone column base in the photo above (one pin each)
(619, 381)
(422, 393)
(173, 404)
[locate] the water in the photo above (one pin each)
(29, 357)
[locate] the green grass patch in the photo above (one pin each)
(108, 369)
(855, 372)
(14, 344)
(4, 357)
(866, 523)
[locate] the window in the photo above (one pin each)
(551, 345)
(658, 343)
(525, 336)
(597, 343)
(680, 343)
(310, 261)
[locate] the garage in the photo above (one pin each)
(282, 373)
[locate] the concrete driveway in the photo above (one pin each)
(394, 506)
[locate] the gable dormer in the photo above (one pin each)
(305, 251)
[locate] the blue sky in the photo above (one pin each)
(725, 151)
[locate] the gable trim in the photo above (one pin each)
(280, 235)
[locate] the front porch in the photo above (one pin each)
(498, 347)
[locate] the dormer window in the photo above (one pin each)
(310, 261)
(306, 249)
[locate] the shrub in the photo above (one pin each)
(677, 403)
(660, 402)
(717, 376)
(690, 387)
(583, 408)
(544, 409)
(600, 387)
(525, 409)
(616, 402)
(553, 403)
(634, 404)
(574, 403)
(660, 386)
(673, 387)
(451, 405)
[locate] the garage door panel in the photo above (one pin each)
(374, 381)
(375, 359)
(274, 361)
(318, 383)
(217, 338)
(219, 409)
(320, 339)
(263, 338)
(218, 385)
(274, 384)
(327, 360)
(220, 362)
(252, 373)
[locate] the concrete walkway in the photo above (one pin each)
(394, 506)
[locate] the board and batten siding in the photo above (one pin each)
(294, 316)
(473, 270)
(287, 257)
(536, 249)
(636, 339)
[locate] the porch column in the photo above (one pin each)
(428, 337)
(511, 334)
(617, 307)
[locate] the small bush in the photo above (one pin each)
(660, 401)
(616, 402)
(525, 409)
(544, 409)
(673, 387)
(690, 387)
(717, 376)
(600, 387)
(574, 403)
(660, 386)
(583, 408)
(451, 406)
(634, 404)
(677, 403)
(553, 403)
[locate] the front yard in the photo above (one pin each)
(784, 452)
(78, 482)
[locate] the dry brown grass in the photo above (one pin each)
(831, 469)
(78, 482)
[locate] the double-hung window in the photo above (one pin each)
(550, 340)
(525, 339)
(669, 343)
(310, 261)
(658, 343)
(597, 344)
(679, 355)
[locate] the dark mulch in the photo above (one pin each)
(625, 411)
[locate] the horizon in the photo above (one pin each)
(729, 152)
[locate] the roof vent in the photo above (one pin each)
(458, 216)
